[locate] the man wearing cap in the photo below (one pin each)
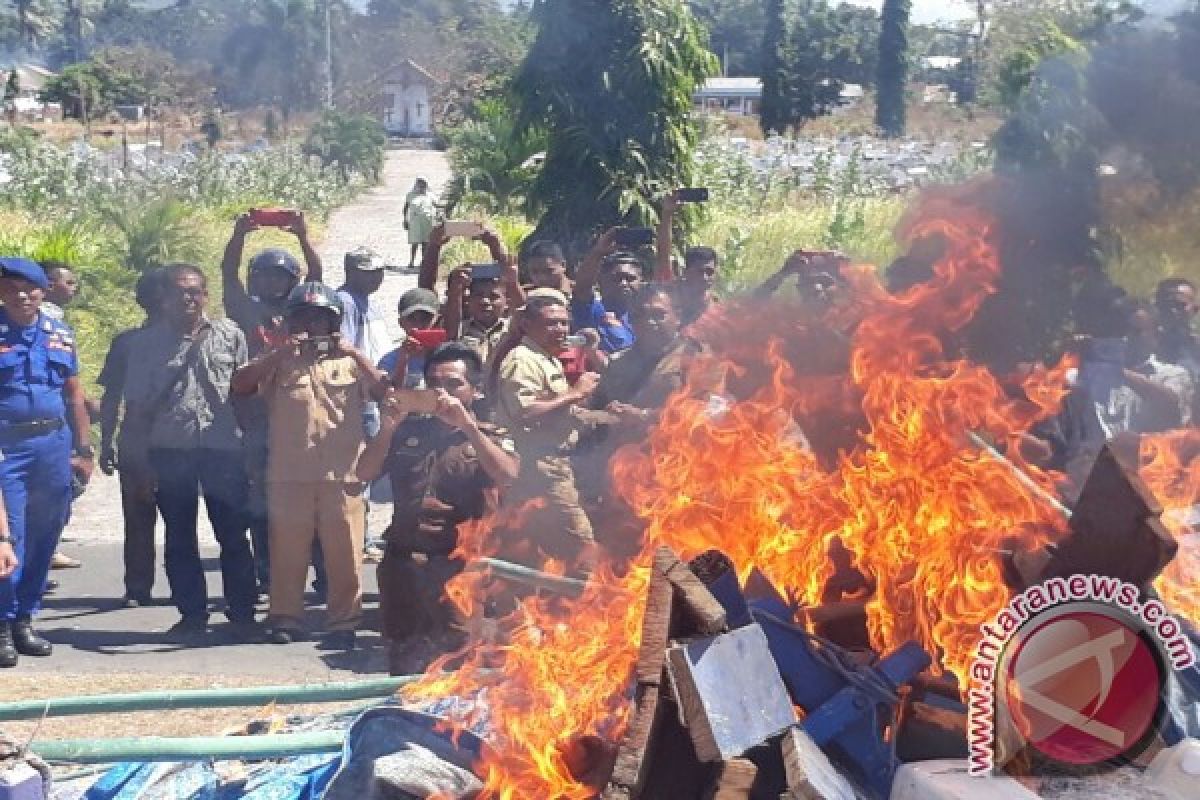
(405, 365)
(178, 388)
(617, 276)
(540, 409)
(316, 386)
(44, 437)
(259, 313)
(62, 288)
(476, 310)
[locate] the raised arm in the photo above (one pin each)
(233, 293)
(427, 277)
(589, 268)
(456, 292)
(314, 269)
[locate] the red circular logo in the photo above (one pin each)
(1083, 687)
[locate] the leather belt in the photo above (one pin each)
(20, 431)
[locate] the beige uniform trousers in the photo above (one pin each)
(332, 512)
(551, 523)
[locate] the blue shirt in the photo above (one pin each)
(614, 330)
(414, 375)
(35, 363)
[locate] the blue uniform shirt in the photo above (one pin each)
(35, 363)
(615, 333)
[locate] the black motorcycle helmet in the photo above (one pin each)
(274, 258)
(314, 295)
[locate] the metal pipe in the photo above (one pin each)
(1022, 477)
(518, 573)
(199, 748)
(204, 698)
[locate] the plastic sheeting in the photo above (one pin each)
(403, 746)
(394, 752)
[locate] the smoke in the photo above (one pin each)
(1101, 141)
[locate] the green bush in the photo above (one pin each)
(353, 143)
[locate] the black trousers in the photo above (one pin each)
(220, 476)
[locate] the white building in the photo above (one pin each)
(743, 96)
(740, 96)
(406, 100)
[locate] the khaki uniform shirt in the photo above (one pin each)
(528, 375)
(483, 340)
(193, 408)
(315, 406)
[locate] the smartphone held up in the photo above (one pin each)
(274, 217)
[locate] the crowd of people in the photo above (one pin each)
(294, 410)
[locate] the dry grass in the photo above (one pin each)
(191, 722)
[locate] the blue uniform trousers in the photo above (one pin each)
(35, 477)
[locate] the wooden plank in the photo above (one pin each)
(636, 750)
(810, 774)
(734, 780)
(703, 610)
(730, 691)
(656, 621)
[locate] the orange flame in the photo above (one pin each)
(924, 514)
(1170, 468)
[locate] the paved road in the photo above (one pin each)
(94, 635)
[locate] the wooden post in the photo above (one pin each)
(735, 779)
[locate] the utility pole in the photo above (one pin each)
(328, 55)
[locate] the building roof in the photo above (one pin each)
(407, 70)
(731, 87)
(31, 77)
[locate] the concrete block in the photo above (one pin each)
(948, 779)
(730, 692)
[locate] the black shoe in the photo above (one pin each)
(189, 627)
(337, 640)
(8, 650)
(51, 586)
(246, 631)
(286, 636)
(137, 601)
(27, 642)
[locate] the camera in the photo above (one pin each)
(697, 195)
(321, 345)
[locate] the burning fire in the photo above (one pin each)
(1170, 468)
(926, 515)
(877, 385)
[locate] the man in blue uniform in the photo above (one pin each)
(43, 438)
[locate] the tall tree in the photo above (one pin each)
(817, 50)
(611, 81)
(893, 67)
(73, 29)
(775, 111)
(735, 32)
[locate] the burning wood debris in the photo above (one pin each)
(803, 616)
